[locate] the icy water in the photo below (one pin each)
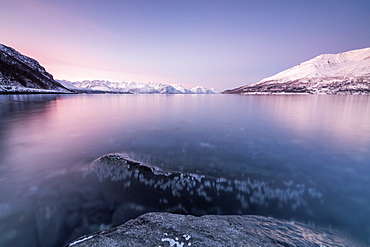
(299, 157)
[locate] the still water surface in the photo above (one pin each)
(320, 142)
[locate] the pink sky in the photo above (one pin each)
(220, 44)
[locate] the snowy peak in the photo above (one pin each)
(137, 87)
(343, 73)
(167, 89)
(202, 90)
(351, 63)
(180, 88)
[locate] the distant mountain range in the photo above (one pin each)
(97, 86)
(343, 73)
(21, 74)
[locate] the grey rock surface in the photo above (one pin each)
(165, 229)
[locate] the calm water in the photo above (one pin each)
(319, 142)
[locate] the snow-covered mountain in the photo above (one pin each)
(202, 90)
(21, 74)
(135, 87)
(343, 73)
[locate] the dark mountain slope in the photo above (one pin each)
(19, 73)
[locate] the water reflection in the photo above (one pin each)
(322, 142)
(343, 120)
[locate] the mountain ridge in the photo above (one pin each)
(135, 87)
(22, 74)
(342, 73)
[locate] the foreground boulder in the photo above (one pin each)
(126, 182)
(165, 229)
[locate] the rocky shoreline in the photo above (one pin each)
(115, 190)
(165, 229)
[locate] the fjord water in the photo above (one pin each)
(317, 142)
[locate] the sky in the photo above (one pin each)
(214, 43)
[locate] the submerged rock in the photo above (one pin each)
(49, 222)
(165, 229)
(126, 181)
